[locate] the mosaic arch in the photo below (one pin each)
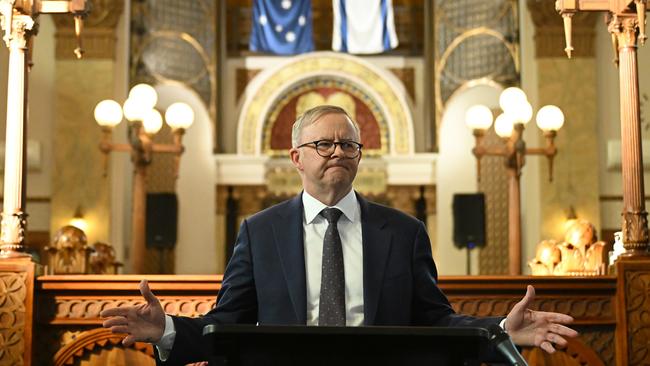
(373, 94)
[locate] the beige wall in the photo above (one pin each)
(534, 174)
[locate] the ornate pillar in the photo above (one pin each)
(571, 85)
(633, 269)
(17, 32)
(635, 222)
(79, 85)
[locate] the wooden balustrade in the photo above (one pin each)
(67, 324)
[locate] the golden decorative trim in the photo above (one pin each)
(345, 85)
(326, 63)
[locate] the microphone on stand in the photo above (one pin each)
(501, 340)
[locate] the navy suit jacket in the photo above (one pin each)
(265, 280)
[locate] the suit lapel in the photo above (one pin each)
(376, 247)
(288, 233)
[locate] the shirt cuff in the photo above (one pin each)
(166, 342)
(502, 324)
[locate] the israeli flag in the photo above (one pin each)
(282, 27)
(363, 26)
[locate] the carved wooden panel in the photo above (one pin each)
(16, 297)
(633, 303)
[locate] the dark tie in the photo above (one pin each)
(332, 286)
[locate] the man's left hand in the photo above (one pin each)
(528, 327)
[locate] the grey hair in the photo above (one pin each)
(312, 115)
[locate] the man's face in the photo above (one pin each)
(332, 174)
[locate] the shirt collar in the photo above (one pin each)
(348, 205)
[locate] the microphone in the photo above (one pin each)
(501, 340)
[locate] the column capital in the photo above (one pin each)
(16, 28)
(624, 30)
(549, 31)
(98, 32)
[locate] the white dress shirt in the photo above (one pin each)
(349, 226)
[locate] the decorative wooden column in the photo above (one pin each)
(626, 24)
(624, 31)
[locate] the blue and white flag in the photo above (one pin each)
(363, 26)
(282, 27)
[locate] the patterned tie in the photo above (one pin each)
(332, 286)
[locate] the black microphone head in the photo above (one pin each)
(497, 333)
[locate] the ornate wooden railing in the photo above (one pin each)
(68, 307)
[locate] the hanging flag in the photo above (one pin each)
(282, 27)
(363, 26)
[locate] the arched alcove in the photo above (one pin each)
(456, 169)
(381, 88)
(196, 251)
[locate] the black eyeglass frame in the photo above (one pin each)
(334, 143)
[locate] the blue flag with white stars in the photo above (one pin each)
(283, 27)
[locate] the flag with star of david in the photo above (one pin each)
(283, 27)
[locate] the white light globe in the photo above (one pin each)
(550, 118)
(152, 121)
(145, 95)
(108, 113)
(521, 113)
(133, 111)
(503, 125)
(511, 97)
(478, 117)
(179, 115)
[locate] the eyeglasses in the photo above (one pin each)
(326, 148)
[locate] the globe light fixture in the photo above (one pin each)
(503, 126)
(144, 121)
(478, 117)
(510, 125)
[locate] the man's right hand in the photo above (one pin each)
(141, 323)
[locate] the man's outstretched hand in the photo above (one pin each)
(141, 323)
(528, 327)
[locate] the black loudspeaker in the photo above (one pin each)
(162, 220)
(469, 220)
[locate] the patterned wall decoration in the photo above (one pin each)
(325, 90)
(493, 258)
(474, 39)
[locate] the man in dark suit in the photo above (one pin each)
(326, 257)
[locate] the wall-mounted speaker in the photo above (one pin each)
(469, 220)
(162, 220)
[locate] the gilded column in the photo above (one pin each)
(78, 179)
